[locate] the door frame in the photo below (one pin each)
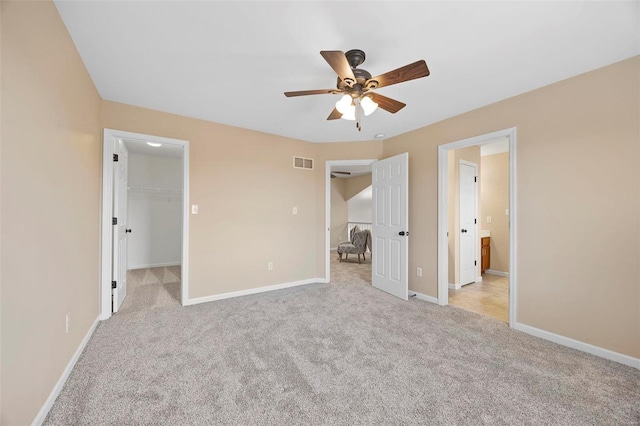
(327, 204)
(443, 185)
(476, 277)
(107, 209)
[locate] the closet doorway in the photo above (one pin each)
(145, 223)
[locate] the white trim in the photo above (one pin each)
(476, 209)
(250, 291)
(154, 265)
(581, 346)
(478, 279)
(494, 272)
(327, 206)
(105, 221)
(454, 286)
(424, 297)
(443, 182)
(44, 410)
(107, 200)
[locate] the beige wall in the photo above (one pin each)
(494, 200)
(472, 154)
(339, 211)
(356, 184)
(50, 190)
(246, 188)
(578, 202)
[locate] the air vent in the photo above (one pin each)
(302, 163)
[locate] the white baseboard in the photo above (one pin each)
(333, 248)
(424, 297)
(455, 286)
(479, 279)
(247, 292)
(155, 265)
(581, 346)
(494, 272)
(42, 414)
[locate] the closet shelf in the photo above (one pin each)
(155, 190)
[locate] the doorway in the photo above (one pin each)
(349, 205)
(144, 217)
(469, 213)
(389, 229)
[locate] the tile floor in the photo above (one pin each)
(489, 297)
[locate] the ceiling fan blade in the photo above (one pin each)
(311, 92)
(340, 65)
(342, 173)
(387, 104)
(408, 72)
(335, 114)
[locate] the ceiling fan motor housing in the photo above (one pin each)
(355, 57)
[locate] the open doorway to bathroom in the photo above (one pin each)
(476, 225)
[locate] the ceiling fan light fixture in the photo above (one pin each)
(368, 106)
(350, 114)
(346, 107)
(344, 104)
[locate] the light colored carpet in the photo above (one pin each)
(342, 353)
(151, 288)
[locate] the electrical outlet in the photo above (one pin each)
(68, 322)
(506, 212)
(419, 272)
(194, 209)
(295, 210)
(270, 266)
(488, 219)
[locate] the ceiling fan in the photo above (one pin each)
(333, 174)
(356, 85)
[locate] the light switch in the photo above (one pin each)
(506, 211)
(488, 219)
(295, 210)
(194, 209)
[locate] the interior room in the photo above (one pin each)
(486, 290)
(154, 222)
(265, 98)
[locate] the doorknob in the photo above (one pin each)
(402, 233)
(128, 231)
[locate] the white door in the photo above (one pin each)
(120, 230)
(390, 181)
(468, 240)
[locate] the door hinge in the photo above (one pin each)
(114, 220)
(115, 157)
(475, 263)
(475, 220)
(113, 284)
(475, 178)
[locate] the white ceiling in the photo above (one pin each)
(230, 62)
(355, 170)
(141, 147)
(495, 146)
